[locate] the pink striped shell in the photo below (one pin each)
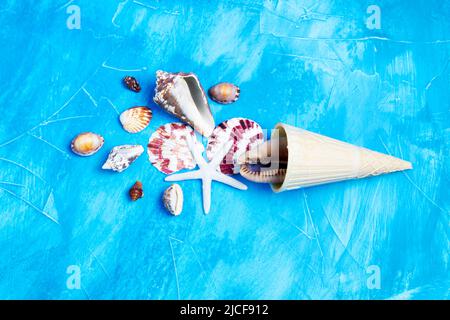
(168, 150)
(244, 133)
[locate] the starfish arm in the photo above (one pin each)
(229, 181)
(218, 157)
(191, 175)
(195, 150)
(206, 190)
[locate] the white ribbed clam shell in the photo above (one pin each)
(135, 119)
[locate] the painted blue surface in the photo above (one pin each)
(307, 63)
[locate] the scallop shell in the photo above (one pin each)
(263, 176)
(224, 93)
(136, 191)
(86, 143)
(168, 150)
(135, 119)
(245, 135)
(182, 95)
(173, 199)
(121, 157)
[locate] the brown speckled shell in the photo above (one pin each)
(136, 191)
(224, 93)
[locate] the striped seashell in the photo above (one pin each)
(244, 133)
(135, 119)
(224, 93)
(168, 150)
(86, 143)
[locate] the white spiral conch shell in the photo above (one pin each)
(121, 157)
(173, 199)
(182, 95)
(135, 119)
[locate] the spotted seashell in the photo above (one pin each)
(132, 83)
(224, 93)
(168, 150)
(135, 119)
(245, 135)
(136, 191)
(173, 199)
(86, 143)
(121, 157)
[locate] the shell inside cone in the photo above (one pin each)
(121, 157)
(244, 133)
(182, 95)
(266, 162)
(135, 119)
(168, 150)
(86, 143)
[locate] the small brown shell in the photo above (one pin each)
(173, 199)
(86, 143)
(224, 93)
(132, 83)
(136, 191)
(135, 119)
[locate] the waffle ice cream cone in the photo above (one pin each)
(314, 159)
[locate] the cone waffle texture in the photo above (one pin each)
(314, 159)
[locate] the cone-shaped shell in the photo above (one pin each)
(314, 159)
(182, 95)
(135, 119)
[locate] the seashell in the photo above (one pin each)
(86, 143)
(262, 176)
(135, 119)
(136, 191)
(121, 157)
(168, 150)
(265, 163)
(173, 199)
(244, 133)
(132, 83)
(224, 93)
(182, 95)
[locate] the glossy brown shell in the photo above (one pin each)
(136, 191)
(224, 93)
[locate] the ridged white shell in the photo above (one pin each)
(121, 157)
(135, 119)
(173, 199)
(86, 143)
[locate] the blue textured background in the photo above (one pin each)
(307, 63)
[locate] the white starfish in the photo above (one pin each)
(207, 172)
